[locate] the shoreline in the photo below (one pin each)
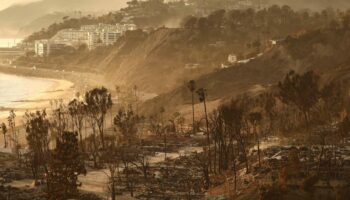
(64, 86)
(59, 89)
(78, 78)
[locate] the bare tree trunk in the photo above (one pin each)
(307, 122)
(258, 141)
(235, 174)
(215, 152)
(193, 126)
(101, 130)
(95, 149)
(165, 143)
(208, 134)
(259, 152)
(5, 142)
(246, 159)
(320, 160)
(81, 141)
(112, 185)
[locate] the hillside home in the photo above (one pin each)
(232, 58)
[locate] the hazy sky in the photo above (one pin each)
(6, 3)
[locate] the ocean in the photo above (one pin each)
(9, 42)
(18, 88)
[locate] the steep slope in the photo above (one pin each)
(323, 51)
(169, 57)
(156, 64)
(163, 59)
(257, 75)
(312, 4)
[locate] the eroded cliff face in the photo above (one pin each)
(157, 63)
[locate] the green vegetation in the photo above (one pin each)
(322, 50)
(49, 32)
(203, 42)
(151, 13)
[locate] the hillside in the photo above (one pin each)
(22, 16)
(165, 58)
(313, 4)
(323, 51)
(157, 64)
(15, 17)
(169, 57)
(45, 21)
(145, 14)
(257, 75)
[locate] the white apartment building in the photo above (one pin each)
(71, 37)
(91, 35)
(94, 35)
(109, 37)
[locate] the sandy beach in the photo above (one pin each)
(64, 85)
(59, 89)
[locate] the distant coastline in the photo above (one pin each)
(80, 79)
(66, 85)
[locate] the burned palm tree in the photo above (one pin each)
(4, 132)
(12, 124)
(135, 90)
(202, 95)
(255, 119)
(192, 88)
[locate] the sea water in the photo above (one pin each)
(9, 42)
(18, 89)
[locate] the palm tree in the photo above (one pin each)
(255, 119)
(12, 124)
(202, 95)
(192, 87)
(136, 99)
(4, 131)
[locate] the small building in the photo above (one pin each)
(224, 66)
(192, 66)
(275, 42)
(232, 58)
